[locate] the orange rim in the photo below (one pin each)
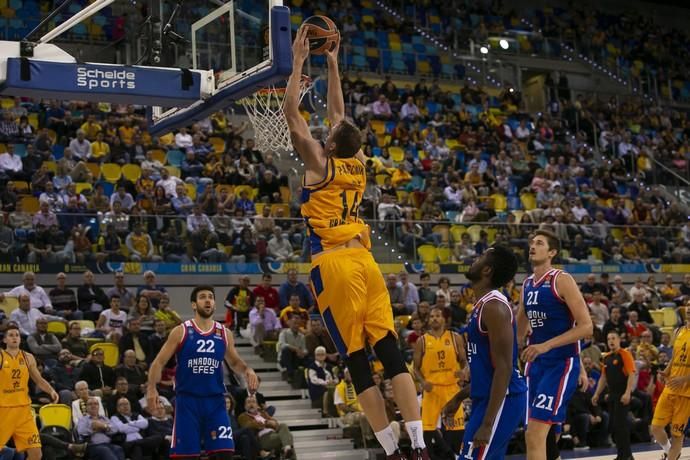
(305, 81)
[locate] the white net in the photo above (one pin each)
(265, 111)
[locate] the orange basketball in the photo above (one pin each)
(322, 33)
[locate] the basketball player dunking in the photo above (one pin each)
(348, 284)
(201, 345)
(553, 317)
(18, 423)
(497, 389)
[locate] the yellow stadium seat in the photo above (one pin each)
(94, 169)
(427, 253)
(381, 179)
(443, 230)
(243, 188)
(617, 233)
(56, 415)
(529, 201)
(657, 317)
(30, 204)
(274, 209)
(33, 120)
(51, 166)
(111, 172)
(57, 327)
(444, 254)
(452, 143)
(401, 321)
(491, 234)
(670, 317)
(457, 231)
(9, 304)
(3, 148)
(596, 253)
(21, 186)
(667, 330)
(131, 172)
(173, 170)
(110, 352)
(397, 154)
(474, 231)
(6, 103)
(423, 67)
(500, 202)
(159, 154)
(191, 191)
(401, 195)
(518, 213)
(378, 126)
(260, 208)
(218, 144)
(83, 186)
(285, 194)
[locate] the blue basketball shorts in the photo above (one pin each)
(510, 416)
(550, 385)
(200, 420)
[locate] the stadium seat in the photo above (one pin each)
(111, 172)
(30, 204)
(657, 317)
(218, 144)
(9, 304)
(285, 194)
(670, 317)
(50, 166)
(131, 172)
(56, 415)
(110, 352)
(191, 190)
(20, 150)
(158, 155)
(474, 231)
(618, 233)
(456, 231)
(529, 201)
(83, 186)
(444, 253)
(174, 171)
(500, 202)
(57, 327)
(397, 154)
(175, 158)
(381, 179)
(443, 230)
(21, 186)
(427, 253)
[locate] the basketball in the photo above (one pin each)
(322, 33)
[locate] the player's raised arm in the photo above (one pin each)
(309, 150)
(155, 371)
(496, 318)
(336, 102)
(39, 380)
(238, 365)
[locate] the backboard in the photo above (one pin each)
(246, 44)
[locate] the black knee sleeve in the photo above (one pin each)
(389, 354)
(360, 371)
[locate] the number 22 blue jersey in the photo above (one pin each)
(548, 314)
(200, 360)
(479, 352)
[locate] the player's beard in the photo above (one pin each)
(474, 274)
(204, 314)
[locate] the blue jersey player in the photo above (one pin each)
(553, 317)
(497, 390)
(201, 345)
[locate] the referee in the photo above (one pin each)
(618, 373)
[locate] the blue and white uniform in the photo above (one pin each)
(552, 376)
(200, 414)
(512, 410)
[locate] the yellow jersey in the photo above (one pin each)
(330, 207)
(680, 363)
(440, 361)
(14, 380)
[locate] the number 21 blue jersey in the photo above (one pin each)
(200, 360)
(548, 314)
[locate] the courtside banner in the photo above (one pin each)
(102, 83)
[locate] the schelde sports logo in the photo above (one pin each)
(105, 79)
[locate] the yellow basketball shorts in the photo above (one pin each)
(19, 424)
(432, 408)
(352, 298)
(673, 409)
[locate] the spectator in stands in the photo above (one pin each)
(264, 224)
(111, 322)
(349, 410)
(291, 348)
(92, 299)
(150, 289)
(268, 292)
(426, 293)
(118, 219)
(166, 314)
(238, 302)
(295, 309)
(121, 196)
(145, 313)
(137, 341)
(263, 325)
(293, 286)
(318, 337)
(589, 286)
(127, 297)
(11, 167)
(619, 295)
(169, 183)
(615, 323)
(319, 379)
(63, 299)
(140, 246)
(8, 246)
(43, 344)
(246, 441)
(598, 309)
(97, 374)
(133, 372)
(381, 109)
(79, 405)
(80, 146)
(43, 143)
(183, 140)
(122, 390)
(63, 376)
(410, 293)
(641, 307)
(137, 444)
(269, 188)
(245, 204)
(74, 343)
(26, 317)
(273, 435)
(181, 203)
(633, 327)
(279, 248)
(395, 292)
(45, 218)
(589, 424)
(95, 428)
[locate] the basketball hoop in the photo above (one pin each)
(265, 109)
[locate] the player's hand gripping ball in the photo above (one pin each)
(322, 33)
